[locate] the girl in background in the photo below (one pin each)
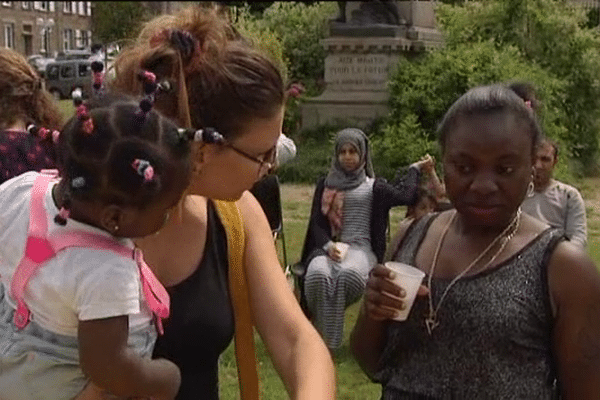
(29, 118)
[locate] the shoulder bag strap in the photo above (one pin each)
(231, 219)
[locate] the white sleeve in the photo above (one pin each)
(576, 225)
(286, 149)
(109, 287)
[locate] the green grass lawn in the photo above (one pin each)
(352, 383)
(66, 108)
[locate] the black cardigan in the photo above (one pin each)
(404, 191)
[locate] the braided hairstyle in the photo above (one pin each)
(117, 150)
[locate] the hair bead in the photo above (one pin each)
(144, 169)
(78, 182)
(42, 133)
(62, 216)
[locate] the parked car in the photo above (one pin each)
(39, 62)
(73, 55)
(62, 77)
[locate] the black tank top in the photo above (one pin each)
(493, 340)
(201, 325)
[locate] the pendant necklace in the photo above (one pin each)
(431, 320)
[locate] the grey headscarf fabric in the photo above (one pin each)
(337, 177)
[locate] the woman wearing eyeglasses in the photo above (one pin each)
(218, 81)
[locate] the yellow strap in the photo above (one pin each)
(238, 286)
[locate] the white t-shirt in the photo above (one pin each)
(560, 206)
(78, 283)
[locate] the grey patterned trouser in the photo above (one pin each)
(330, 287)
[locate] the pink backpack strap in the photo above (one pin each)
(37, 248)
(155, 294)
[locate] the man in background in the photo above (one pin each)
(556, 203)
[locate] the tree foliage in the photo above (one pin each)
(299, 27)
(116, 20)
(552, 35)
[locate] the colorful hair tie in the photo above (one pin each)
(528, 103)
(78, 182)
(208, 135)
(87, 125)
(183, 41)
(144, 169)
(150, 88)
(42, 133)
(63, 216)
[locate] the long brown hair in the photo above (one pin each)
(224, 83)
(22, 96)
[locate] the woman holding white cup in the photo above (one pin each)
(511, 310)
(346, 231)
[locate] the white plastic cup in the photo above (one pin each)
(408, 278)
(343, 248)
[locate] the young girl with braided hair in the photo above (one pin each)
(28, 117)
(77, 301)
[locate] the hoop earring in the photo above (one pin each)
(530, 189)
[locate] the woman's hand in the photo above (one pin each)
(378, 303)
(426, 164)
(334, 253)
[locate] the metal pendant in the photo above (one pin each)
(431, 323)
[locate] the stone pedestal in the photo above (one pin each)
(360, 57)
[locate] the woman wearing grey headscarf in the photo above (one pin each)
(346, 232)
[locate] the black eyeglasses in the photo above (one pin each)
(265, 165)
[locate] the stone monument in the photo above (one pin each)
(364, 45)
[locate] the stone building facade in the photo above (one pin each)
(46, 27)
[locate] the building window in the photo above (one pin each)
(78, 39)
(85, 41)
(67, 71)
(40, 5)
(45, 48)
(7, 4)
(89, 8)
(9, 35)
(81, 7)
(51, 6)
(67, 39)
(25, 5)
(84, 70)
(67, 7)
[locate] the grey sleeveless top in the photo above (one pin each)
(356, 226)
(493, 340)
